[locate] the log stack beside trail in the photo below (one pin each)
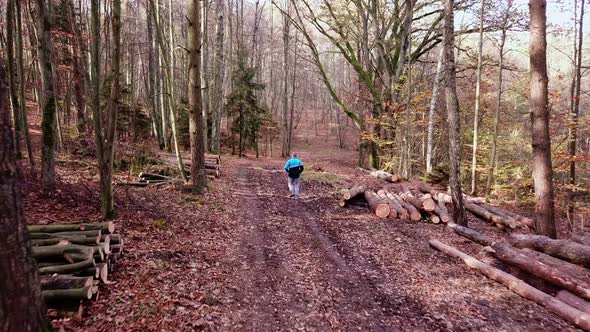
(144, 179)
(429, 205)
(73, 260)
(562, 263)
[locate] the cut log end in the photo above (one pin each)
(382, 211)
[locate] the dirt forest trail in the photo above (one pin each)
(308, 265)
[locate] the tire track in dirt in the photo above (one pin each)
(298, 277)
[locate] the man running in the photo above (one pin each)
(294, 168)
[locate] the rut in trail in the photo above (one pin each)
(309, 265)
(295, 275)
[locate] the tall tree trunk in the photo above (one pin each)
(492, 162)
(198, 174)
(219, 76)
(95, 96)
(170, 89)
(12, 81)
(285, 96)
(21, 305)
(205, 82)
(155, 11)
(573, 130)
(77, 70)
(541, 141)
(432, 109)
(292, 111)
(477, 102)
(22, 82)
(453, 117)
(152, 73)
(108, 206)
(49, 121)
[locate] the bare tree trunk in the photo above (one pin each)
(205, 82)
(21, 305)
(155, 11)
(22, 82)
(170, 89)
(573, 130)
(542, 169)
(108, 206)
(492, 162)
(477, 103)
(77, 70)
(198, 173)
(153, 91)
(292, 111)
(285, 98)
(12, 75)
(432, 109)
(219, 76)
(96, 85)
(49, 121)
(453, 117)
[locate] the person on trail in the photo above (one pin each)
(294, 168)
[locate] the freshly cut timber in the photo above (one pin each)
(471, 234)
(384, 198)
(154, 176)
(564, 310)
(58, 295)
(51, 252)
(573, 300)
(93, 233)
(509, 217)
(520, 259)
(377, 205)
(354, 191)
(564, 249)
(574, 270)
(581, 239)
(428, 204)
(49, 242)
(437, 195)
(68, 268)
(402, 213)
(107, 227)
(487, 215)
(383, 175)
(433, 217)
(103, 272)
(441, 211)
(64, 282)
(112, 239)
(415, 215)
(213, 172)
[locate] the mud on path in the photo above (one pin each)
(307, 265)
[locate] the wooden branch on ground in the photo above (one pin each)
(565, 249)
(567, 312)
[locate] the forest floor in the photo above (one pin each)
(243, 256)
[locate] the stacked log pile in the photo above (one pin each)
(562, 263)
(502, 219)
(73, 259)
(212, 167)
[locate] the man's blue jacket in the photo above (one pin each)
(294, 167)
